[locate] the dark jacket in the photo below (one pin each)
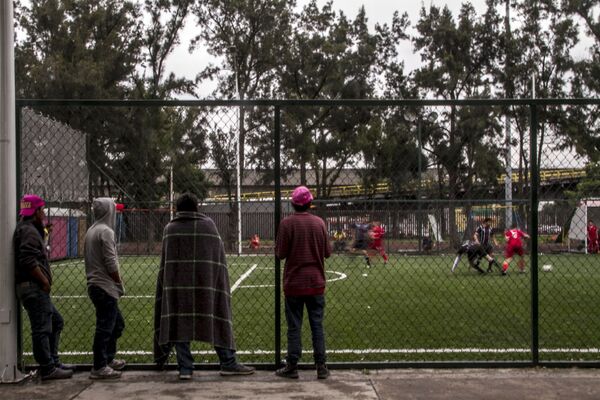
(30, 251)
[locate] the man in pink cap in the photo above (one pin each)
(34, 280)
(303, 242)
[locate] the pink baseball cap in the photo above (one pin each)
(29, 204)
(301, 196)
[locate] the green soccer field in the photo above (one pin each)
(412, 309)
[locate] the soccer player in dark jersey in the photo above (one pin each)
(475, 252)
(361, 239)
(484, 235)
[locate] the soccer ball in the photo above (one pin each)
(547, 268)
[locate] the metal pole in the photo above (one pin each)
(277, 217)
(419, 219)
(8, 198)
(533, 230)
(508, 137)
(238, 156)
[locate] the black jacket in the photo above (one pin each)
(30, 251)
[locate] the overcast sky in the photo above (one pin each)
(182, 63)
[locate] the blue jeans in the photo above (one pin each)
(46, 325)
(185, 361)
(294, 308)
(109, 326)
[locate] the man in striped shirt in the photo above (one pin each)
(484, 235)
(303, 242)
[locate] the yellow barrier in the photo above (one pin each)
(385, 188)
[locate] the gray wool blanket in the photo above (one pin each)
(193, 298)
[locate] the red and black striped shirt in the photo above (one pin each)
(303, 242)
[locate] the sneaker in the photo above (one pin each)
(322, 371)
(58, 373)
(185, 375)
(105, 373)
(117, 364)
(66, 366)
(504, 273)
(237, 369)
(289, 371)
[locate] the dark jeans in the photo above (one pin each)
(46, 325)
(185, 361)
(294, 308)
(109, 326)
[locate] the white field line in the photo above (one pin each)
(144, 296)
(236, 285)
(363, 351)
(243, 277)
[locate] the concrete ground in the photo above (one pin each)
(464, 384)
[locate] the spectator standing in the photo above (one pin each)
(33, 280)
(193, 298)
(105, 288)
(302, 241)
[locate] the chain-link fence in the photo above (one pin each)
(428, 174)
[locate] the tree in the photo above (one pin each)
(81, 49)
(328, 57)
(458, 59)
(581, 124)
(249, 37)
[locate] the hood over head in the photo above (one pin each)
(104, 210)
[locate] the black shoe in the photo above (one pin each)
(322, 371)
(58, 373)
(289, 371)
(237, 369)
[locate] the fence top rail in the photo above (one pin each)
(305, 103)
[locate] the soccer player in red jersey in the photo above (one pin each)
(592, 232)
(514, 245)
(376, 235)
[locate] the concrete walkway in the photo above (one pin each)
(465, 384)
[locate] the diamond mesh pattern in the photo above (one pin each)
(429, 176)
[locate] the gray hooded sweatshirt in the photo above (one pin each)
(100, 248)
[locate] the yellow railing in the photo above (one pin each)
(547, 175)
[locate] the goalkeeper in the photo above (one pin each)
(475, 252)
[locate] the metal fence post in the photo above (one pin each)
(277, 172)
(8, 200)
(533, 230)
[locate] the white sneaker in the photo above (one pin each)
(105, 373)
(117, 364)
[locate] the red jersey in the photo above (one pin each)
(377, 233)
(592, 233)
(513, 237)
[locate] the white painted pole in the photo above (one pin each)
(8, 189)
(508, 179)
(238, 162)
(508, 147)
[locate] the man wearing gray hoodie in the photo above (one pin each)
(104, 288)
